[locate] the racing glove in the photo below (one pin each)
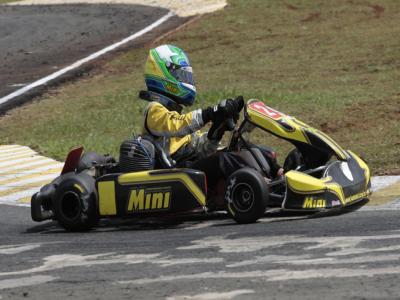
(217, 131)
(227, 108)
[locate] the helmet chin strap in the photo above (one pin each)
(164, 100)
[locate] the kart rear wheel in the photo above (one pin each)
(246, 195)
(75, 203)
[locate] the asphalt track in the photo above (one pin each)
(36, 41)
(349, 256)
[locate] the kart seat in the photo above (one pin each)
(163, 161)
(248, 157)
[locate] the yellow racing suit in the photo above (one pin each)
(174, 131)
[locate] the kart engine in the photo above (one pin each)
(136, 155)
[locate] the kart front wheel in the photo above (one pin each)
(246, 195)
(75, 203)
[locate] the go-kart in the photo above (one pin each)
(319, 175)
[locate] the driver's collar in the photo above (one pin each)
(164, 100)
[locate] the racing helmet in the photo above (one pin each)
(168, 72)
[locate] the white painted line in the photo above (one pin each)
(336, 246)
(4, 147)
(380, 182)
(32, 171)
(211, 296)
(12, 150)
(7, 154)
(17, 156)
(10, 147)
(25, 281)
(19, 195)
(307, 260)
(10, 161)
(66, 260)
(27, 182)
(79, 63)
(167, 262)
(16, 249)
(17, 153)
(41, 161)
(61, 261)
(272, 275)
(27, 205)
(18, 84)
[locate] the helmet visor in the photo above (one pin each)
(183, 74)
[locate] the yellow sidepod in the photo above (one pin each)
(154, 177)
(107, 203)
(305, 184)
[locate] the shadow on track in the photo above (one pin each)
(185, 222)
(340, 211)
(131, 224)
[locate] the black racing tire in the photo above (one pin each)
(75, 202)
(246, 196)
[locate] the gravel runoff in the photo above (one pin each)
(182, 8)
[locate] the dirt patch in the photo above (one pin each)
(376, 110)
(291, 7)
(390, 172)
(377, 9)
(311, 17)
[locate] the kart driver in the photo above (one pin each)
(170, 86)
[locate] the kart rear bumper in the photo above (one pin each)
(41, 203)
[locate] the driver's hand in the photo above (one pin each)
(229, 108)
(225, 109)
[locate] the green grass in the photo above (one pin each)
(7, 1)
(333, 64)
